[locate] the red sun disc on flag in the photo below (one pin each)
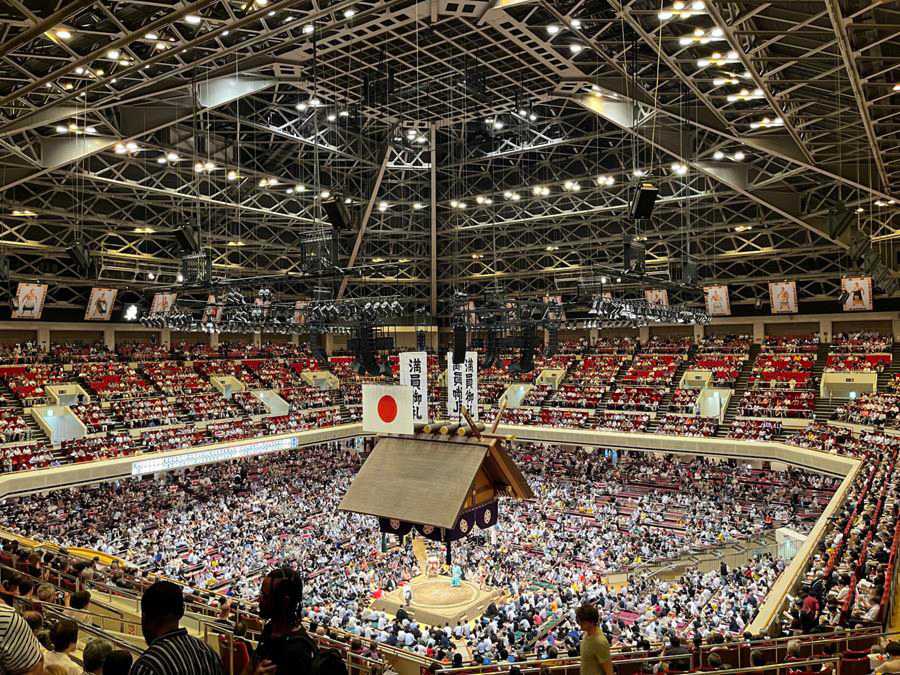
(387, 409)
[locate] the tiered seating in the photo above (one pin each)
(94, 416)
(27, 382)
(113, 380)
(538, 395)
(781, 382)
(859, 352)
(623, 422)
(614, 345)
(754, 430)
(687, 425)
(643, 399)
(28, 352)
(248, 403)
(104, 446)
(240, 369)
(493, 381)
(81, 353)
(791, 344)
(782, 370)
(777, 403)
(171, 438)
(302, 396)
(12, 425)
(173, 378)
(863, 538)
(547, 417)
(725, 344)
(880, 409)
(684, 401)
(210, 406)
(651, 369)
(726, 368)
(141, 351)
(25, 456)
(276, 373)
(673, 345)
(587, 381)
(146, 412)
(301, 420)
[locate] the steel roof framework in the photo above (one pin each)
(226, 90)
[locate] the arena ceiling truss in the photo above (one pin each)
(496, 144)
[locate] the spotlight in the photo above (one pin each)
(131, 312)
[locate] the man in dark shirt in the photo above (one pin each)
(675, 648)
(171, 651)
(284, 647)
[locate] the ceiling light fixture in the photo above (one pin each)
(682, 10)
(193, 19)
(718, 59)
(63, 34)
(766, 123)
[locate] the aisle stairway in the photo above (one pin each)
(9, 400)
(886, 377)
(824, 409)
(740, 387)
(676, 380)
(35, 432)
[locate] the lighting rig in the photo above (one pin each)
(621, 312)
(503, 324)
(230, 310)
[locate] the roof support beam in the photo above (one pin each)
(785, 204)
(59, 16)
(370, 205)
(757, 79)
(843, 40)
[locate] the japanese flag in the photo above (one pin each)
(387, 409)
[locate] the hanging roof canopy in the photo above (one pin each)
(430, 482)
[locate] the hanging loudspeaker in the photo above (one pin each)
(459, 344)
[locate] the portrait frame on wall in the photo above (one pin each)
(859, 294)
(718, 302)
(100, 304)
(783, 297)
(28, 302)
(657, 296)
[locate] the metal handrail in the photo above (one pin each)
(95, 631)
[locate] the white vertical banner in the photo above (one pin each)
(462, 386)
(414, 373)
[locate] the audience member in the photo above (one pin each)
(170, 650)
